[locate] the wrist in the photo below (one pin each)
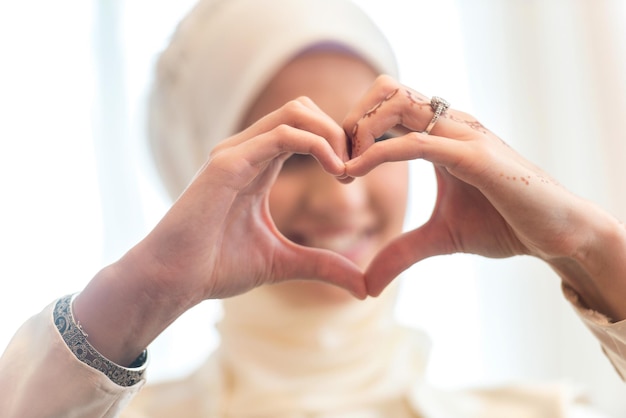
(124, 308)
(76, 339)
(596, 271)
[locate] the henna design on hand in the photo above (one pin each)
(373, 110)
(523, 179)
(474, 124)
(356, 143)
(421, 102)
(526, 179)
(548, 180)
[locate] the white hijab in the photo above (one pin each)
(275, 359)
(224, 53)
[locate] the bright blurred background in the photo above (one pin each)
(78, 187)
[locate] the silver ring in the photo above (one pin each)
(439, 106)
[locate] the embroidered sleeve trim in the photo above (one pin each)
(76, 340)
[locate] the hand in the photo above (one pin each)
(490, 200)
(219, 240)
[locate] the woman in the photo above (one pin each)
(281, 220)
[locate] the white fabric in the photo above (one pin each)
(285, 359)
(223, 54)
(40, 377)
(280, 360)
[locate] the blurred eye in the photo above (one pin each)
(297, 161)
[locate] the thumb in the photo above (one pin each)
(326, 266)
(401, 253)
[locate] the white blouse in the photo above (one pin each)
(304, 366)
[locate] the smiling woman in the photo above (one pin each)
(173, 356)
(96, 215)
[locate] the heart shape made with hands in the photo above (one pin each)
(480, 206)
(403, 250)
(464, 218)
(376, 138)
(369, 210)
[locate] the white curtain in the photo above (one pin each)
(50, 219)
(550, 78)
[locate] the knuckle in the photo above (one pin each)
(305, 100)
(218, 149)
(295, 107)
(416, 137)
(215, 150)
(386, 82)
(281, 131)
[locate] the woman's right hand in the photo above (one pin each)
(218, 239)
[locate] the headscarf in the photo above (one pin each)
(222, 55)
(276, 359)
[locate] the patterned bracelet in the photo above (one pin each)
(76, 340)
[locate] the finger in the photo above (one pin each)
(338, 140)
(402, 253)
(377, 112)
(323, 265)
(301, 113)
(389, 104)
(237, 166)
(285, 140)
(438, 150)
(383, 89)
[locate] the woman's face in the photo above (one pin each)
(312, 208)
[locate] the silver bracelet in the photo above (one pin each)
(76, 340)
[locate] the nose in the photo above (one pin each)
(328, 197)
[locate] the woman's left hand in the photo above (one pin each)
(490, 200)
